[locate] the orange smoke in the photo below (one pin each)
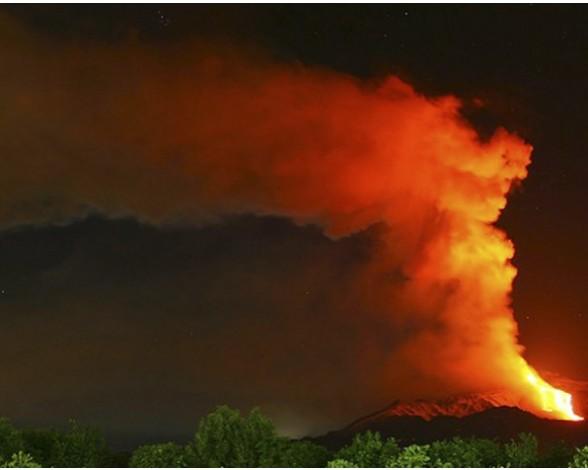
(188, 135)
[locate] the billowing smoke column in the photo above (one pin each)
(189, 134)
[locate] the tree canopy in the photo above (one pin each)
(228, 438)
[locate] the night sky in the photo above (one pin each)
(141, 329)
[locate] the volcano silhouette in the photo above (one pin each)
(488, 415)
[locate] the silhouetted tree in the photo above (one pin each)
(558, 455)
(10, 440)
(41, 444)
(341, 463)
(415, 456)
(522, 453)
(226, 439)
(287, 453)
(19, 460)
(466, 453)
(159, 455)
(80, 446)
(368, 450)
(580, 458)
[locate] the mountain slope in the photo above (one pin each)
(487, 415)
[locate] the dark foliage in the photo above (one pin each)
(226, 438)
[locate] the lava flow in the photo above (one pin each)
(556, 403)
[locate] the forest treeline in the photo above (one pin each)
(225, 438)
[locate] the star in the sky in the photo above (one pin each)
(163, 19)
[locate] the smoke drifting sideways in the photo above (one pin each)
(185, 134)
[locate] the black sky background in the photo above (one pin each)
(122, 325)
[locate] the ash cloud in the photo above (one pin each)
(187, 134)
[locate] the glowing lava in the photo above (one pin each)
(556, 403)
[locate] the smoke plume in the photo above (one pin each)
(189, 133)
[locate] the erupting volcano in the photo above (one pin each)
(186, 135)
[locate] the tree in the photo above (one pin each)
(286, 453)
(368, 450)
(390, 450)
(466, 453)
(305, 454)
(490, 452)
(41, 445)
(580, 459)
(159, 455)
(414, 456)
(455, 451)
(119, 459)
(226, 439)
(558, 455)
(340, 463)
(80, 447)
(10, 439)
(522, 453)
(20, 460)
